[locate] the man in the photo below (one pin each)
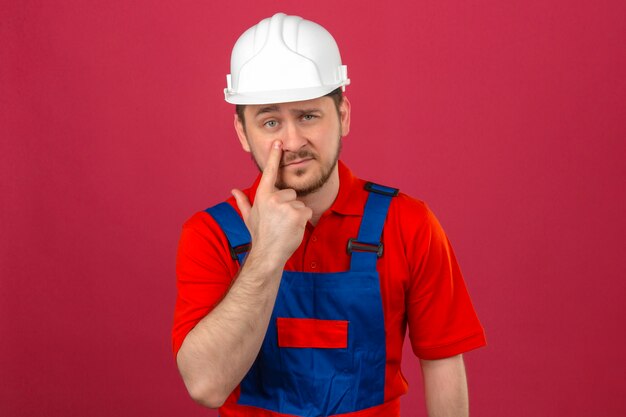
(294, 295)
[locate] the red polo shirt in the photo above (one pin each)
(421, 283)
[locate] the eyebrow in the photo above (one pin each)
(266, 109)
(274, 108)
(305, 111)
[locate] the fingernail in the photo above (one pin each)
(277, 144)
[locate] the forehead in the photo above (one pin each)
(320, 103)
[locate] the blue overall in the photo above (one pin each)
(306, 381)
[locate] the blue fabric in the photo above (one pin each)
(371, 229)
(312, 382)
(232, 225)
(321, 382)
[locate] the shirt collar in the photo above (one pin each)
(350, 199)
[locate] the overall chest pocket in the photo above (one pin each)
(312, 333)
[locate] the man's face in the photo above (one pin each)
(311, 134)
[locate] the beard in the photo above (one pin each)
(315, 183)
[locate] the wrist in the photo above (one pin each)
(264, 263)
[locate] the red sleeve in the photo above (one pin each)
(442, 320)
(204, 272)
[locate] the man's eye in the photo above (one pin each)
(271, 123)
(308, 117)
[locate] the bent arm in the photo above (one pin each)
(445, 386)
(218, 352)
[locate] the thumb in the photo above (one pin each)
(243, 203)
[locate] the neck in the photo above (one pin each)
(321, 200)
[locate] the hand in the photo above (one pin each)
(277, 219)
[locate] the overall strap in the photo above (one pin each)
(367, 247)
(234, 228)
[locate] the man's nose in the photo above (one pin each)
(293, 137)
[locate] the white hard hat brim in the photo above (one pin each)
(281, 96)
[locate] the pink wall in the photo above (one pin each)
(508, 118)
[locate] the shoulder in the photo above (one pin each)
(202, 236)
(413, 222)
(404, 210)
(409, 211)
(203, 223)
(199, 217)
(405, 204)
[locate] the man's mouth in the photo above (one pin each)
(296, 162)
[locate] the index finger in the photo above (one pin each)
(270, 172)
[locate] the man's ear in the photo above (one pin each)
(241, 133)
(344, 116)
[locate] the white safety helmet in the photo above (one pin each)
(283, 59)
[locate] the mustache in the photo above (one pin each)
(289, 157)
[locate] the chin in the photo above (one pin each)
(307, 188)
